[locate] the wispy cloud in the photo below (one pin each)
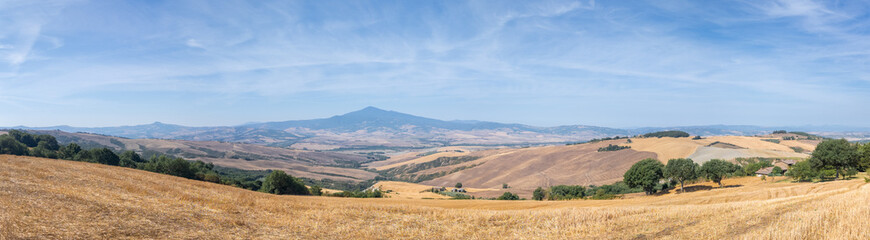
(441, 55)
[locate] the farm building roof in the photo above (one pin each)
(765, 171)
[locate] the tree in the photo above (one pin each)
(48, 142)
(104, 156)
(70, 151)
(508, 196)
(566, 192)
(23, 137)
(130, 159)
(172, 166)
(539, 194)
(278, 182)
(802, 171)
(681, 170)
(645, 174)
(837, 154)
(716, 169)
(458, 185)
(504, 185)
(8, 145)
(864, 157)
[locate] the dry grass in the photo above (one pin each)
(670, 148)
(51, 199)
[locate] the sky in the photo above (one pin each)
(543, 63)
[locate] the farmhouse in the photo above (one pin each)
(764, 171)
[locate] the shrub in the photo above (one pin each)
(458, 185)
(539, 194)
(611, 147)
(8, 145)
(566, 192)
(104, 156)
(278, 182)
(508, 196)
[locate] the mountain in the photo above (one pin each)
(372, 118)
(372, 127)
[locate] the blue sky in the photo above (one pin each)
(604, 63)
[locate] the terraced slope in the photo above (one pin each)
(56, 199)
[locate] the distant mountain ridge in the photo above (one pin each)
(372, 126)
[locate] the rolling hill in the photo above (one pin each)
(300, 163)
(374, 128)
(57, 199)
(525, 169)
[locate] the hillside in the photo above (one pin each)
(301, 163)
(525, 169)
(44, 198)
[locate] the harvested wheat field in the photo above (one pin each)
(45, 198)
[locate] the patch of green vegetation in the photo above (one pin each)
(427, 153)
(594, 140)
(211, 153)
(247, 156)
(771, 140)
(118, 143)
(611, 147)
(673, 134)
(797, 149)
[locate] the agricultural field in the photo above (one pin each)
(45, 198)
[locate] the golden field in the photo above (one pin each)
(50, 199)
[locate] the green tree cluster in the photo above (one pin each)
(566, 192)
(278, 182)
(508, 196)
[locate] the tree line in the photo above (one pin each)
(832, 158)
(21, 143)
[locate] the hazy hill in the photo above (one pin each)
(376, 128)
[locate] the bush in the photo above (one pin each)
(280, 183)
(104, 156)
(8, 145)
(539, 194)
(458, 185)
(508, 196)
(359, 194)
(566, 192)
(611, 147)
